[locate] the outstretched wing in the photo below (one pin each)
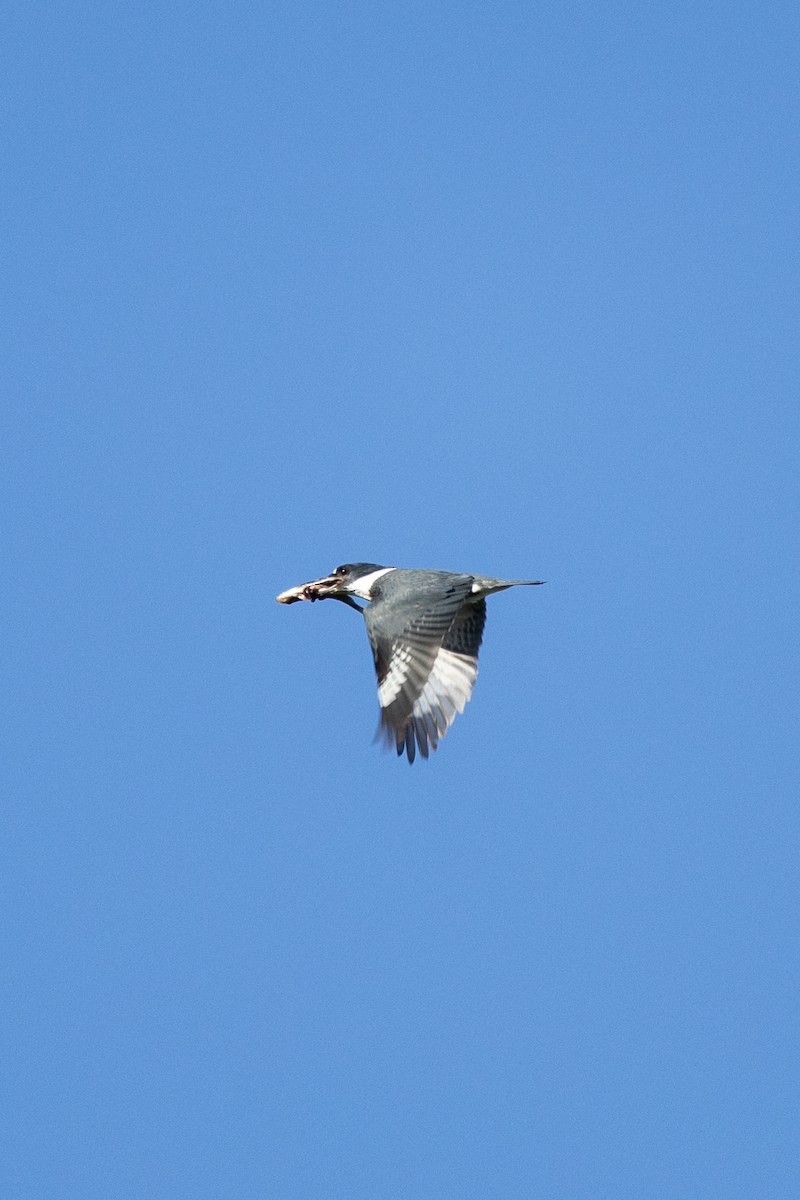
(426, 663)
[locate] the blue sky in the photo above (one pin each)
(504, 288)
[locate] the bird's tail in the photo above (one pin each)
(485, 585)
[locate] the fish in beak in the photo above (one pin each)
(331, 587)
(317, 589)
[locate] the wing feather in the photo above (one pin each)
(426, 663)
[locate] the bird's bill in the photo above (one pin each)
(317, 589)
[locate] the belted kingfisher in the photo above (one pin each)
(425, 628)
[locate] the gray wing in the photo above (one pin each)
(426, 664)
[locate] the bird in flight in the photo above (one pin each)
(425, 629)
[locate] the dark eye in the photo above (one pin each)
(340, 571)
